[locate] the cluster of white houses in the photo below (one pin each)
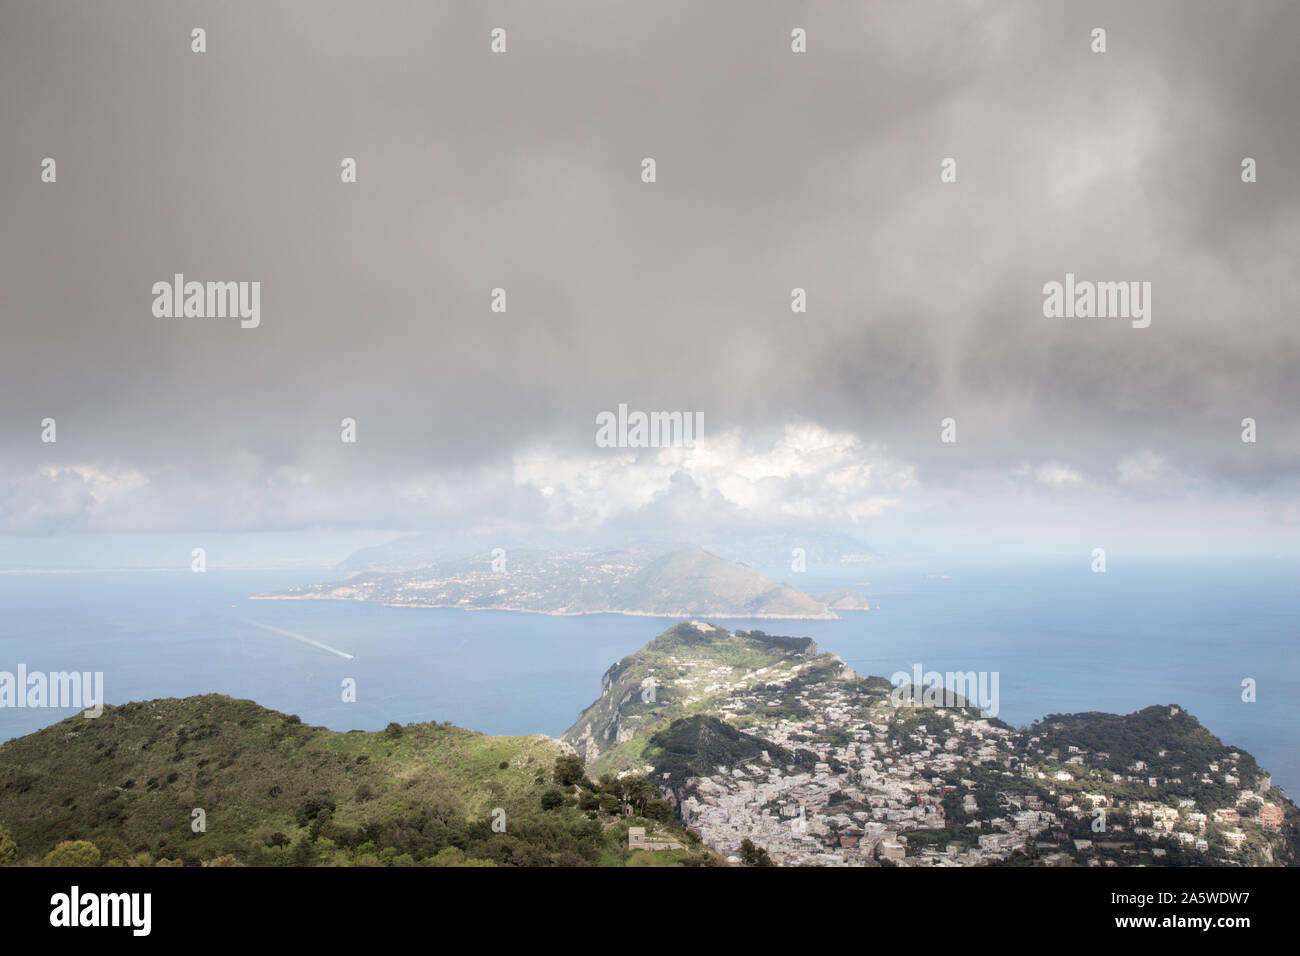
(874, 797)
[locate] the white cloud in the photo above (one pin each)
(54, 497)
(1053, 474)
(805, 472)
(102, 484)
(1149, 472)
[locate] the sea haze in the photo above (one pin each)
(1061, 638)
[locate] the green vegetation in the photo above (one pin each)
(696, 746)
(121, 790)
(73, 853)
(1141, 736)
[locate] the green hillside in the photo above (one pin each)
(696, 746)
(274, 791)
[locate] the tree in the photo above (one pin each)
(313, 807)
(552, 798)
(303, 852)
(659, 810)
(570, 770)
(752, 855)
(610, 803)
(323, 819)
(748, 852)
(8, 848)
(73, 853)
(637, 793)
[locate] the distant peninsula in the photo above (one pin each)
(688, 582)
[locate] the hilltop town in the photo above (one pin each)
(767, 740)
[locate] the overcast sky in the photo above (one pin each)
(775, 170)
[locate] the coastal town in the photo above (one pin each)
(914, 787)
(820, 767)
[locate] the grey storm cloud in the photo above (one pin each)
(522, 171)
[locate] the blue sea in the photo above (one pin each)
(1060, 638)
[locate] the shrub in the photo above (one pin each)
(73, 853)
(313, 808)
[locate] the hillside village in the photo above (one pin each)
(842, 775)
